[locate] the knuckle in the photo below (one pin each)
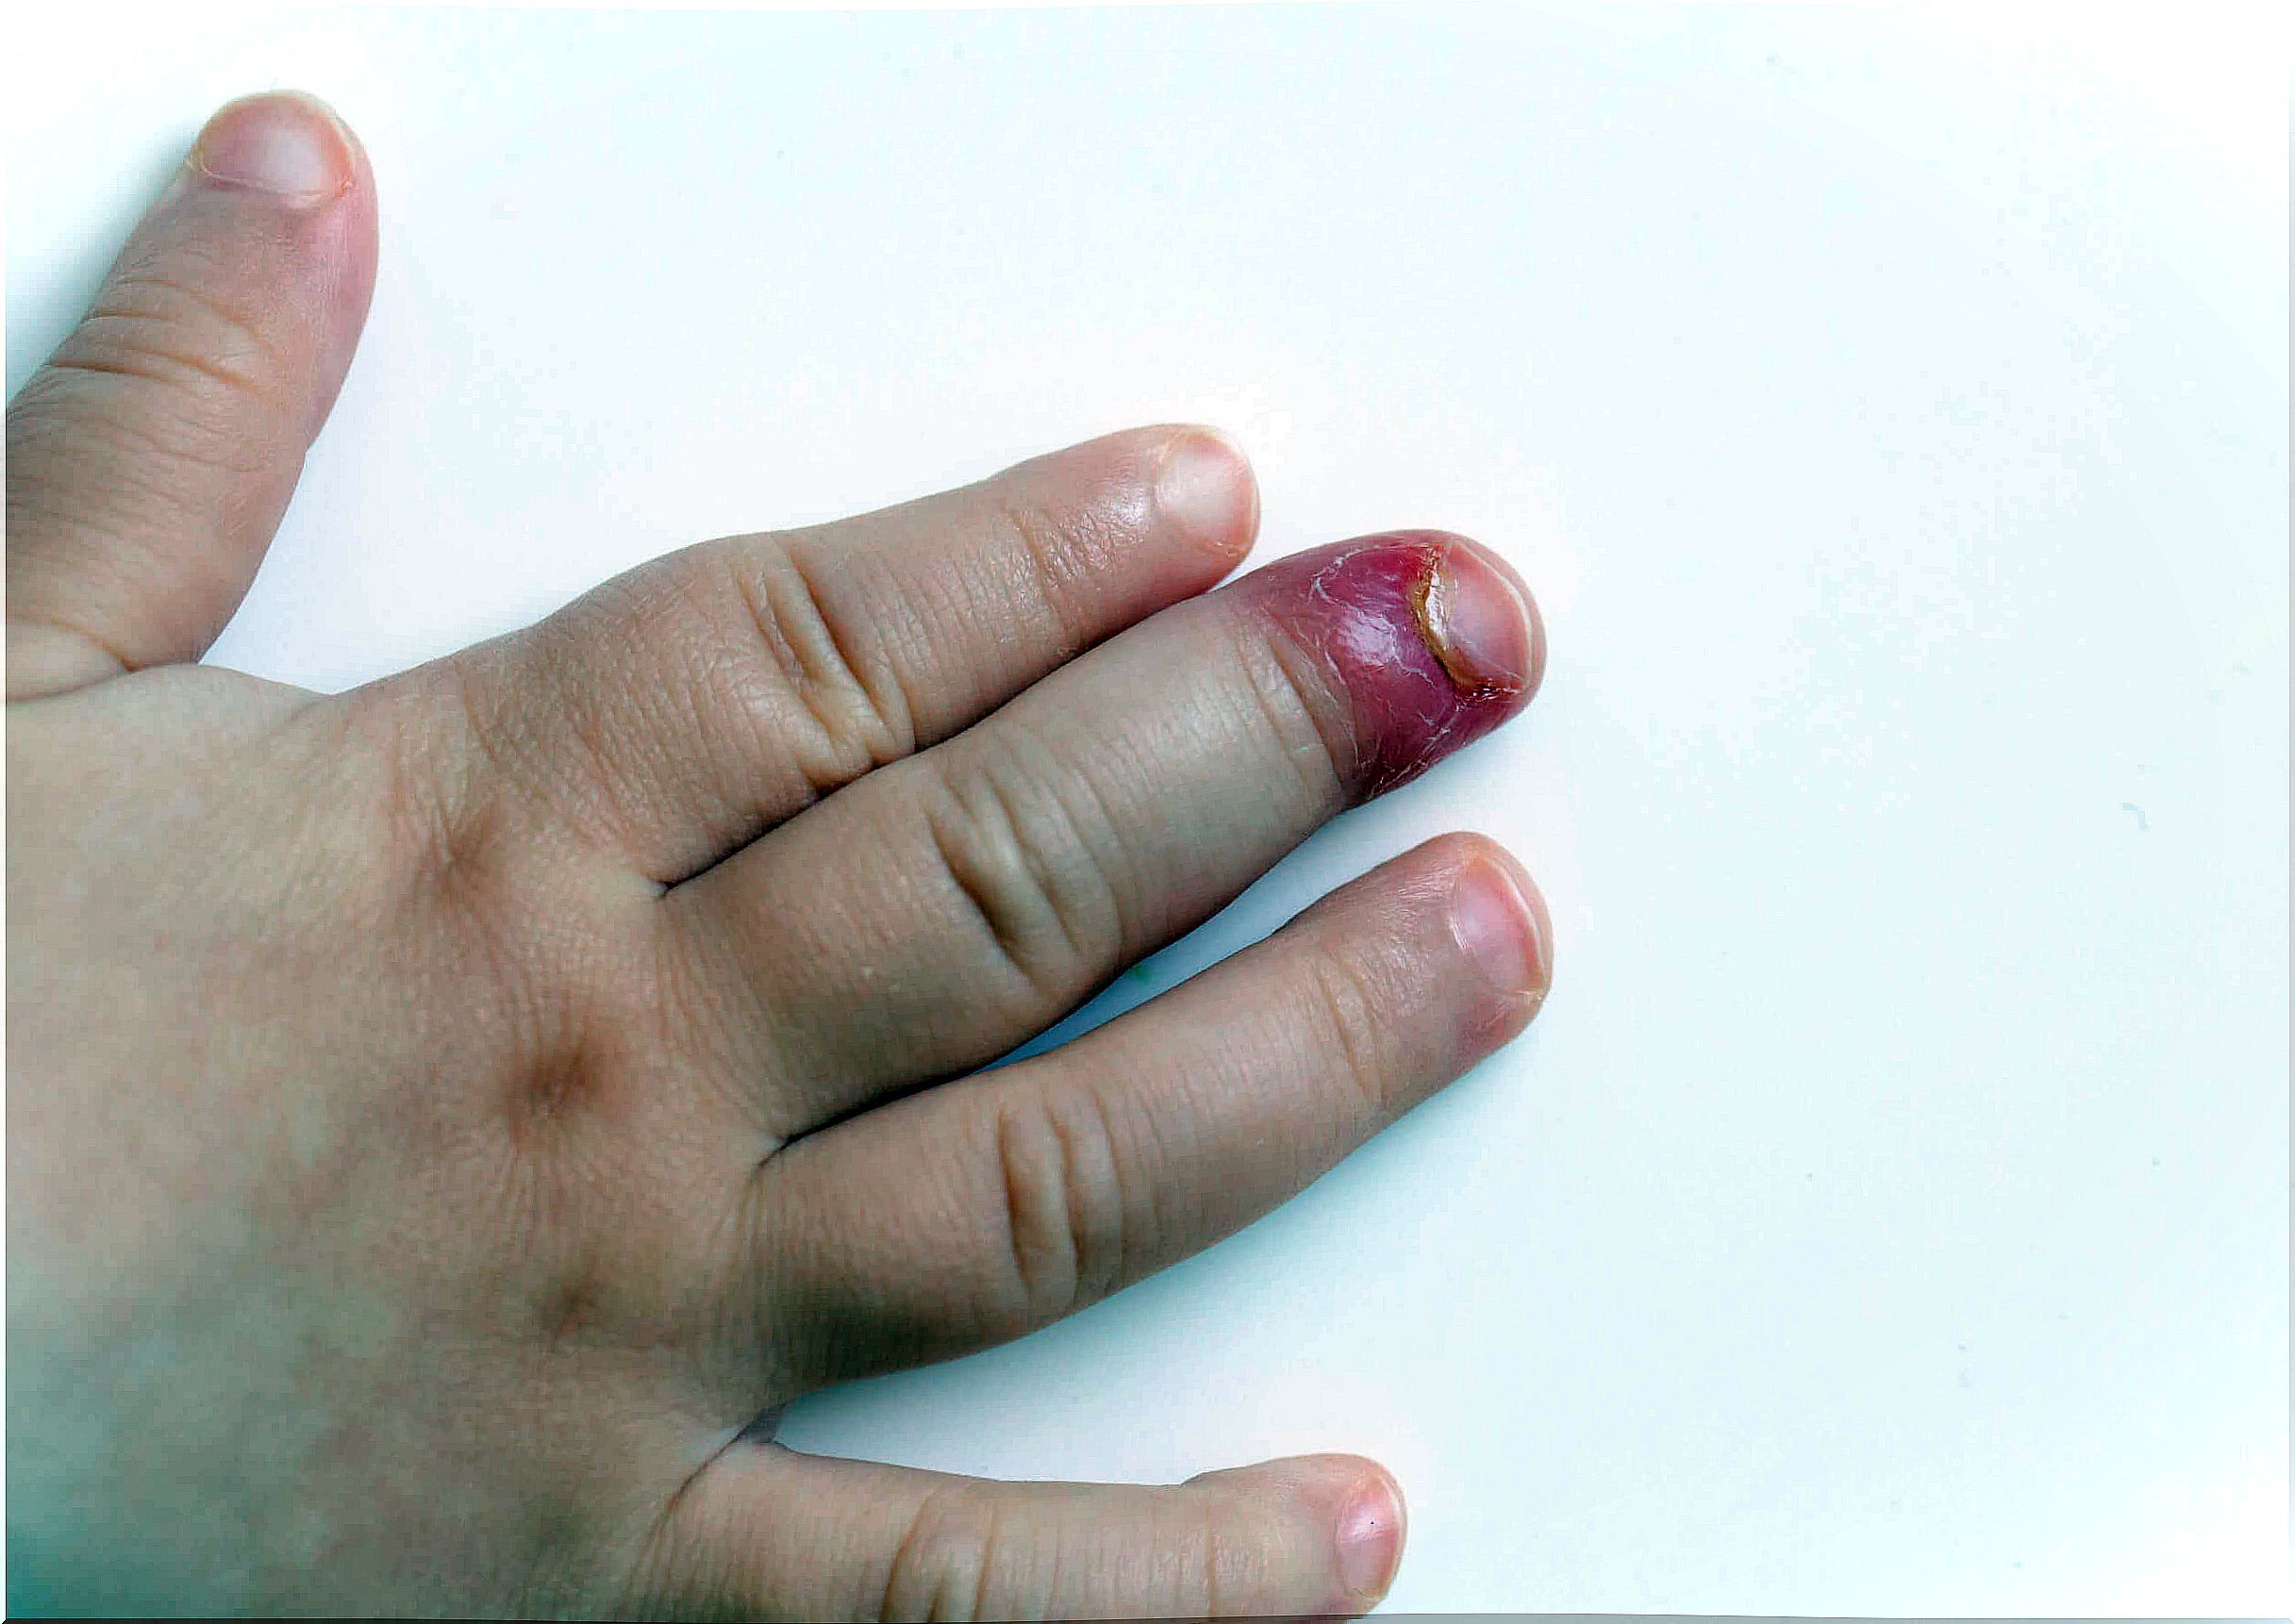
(163, 331)
(956, 1561)
(440, 792)
(441, 799)
(851, 712)
(563, 989)
(419, 815)
(1020, 838)
(1063, 1207)
(1063, 550)
(1345, 1003)
(1312, 729)
(1222, 1559)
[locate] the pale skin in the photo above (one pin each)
(448, 1120)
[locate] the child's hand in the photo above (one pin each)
(446, 1121)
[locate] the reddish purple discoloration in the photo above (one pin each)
(1376, 611)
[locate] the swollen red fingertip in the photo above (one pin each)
(1431, 637)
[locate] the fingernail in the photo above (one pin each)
(286, 144)
(1499, 931)
(1371, 1541)
(1203, 485)
(1477, 622)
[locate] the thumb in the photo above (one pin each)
(149, 461)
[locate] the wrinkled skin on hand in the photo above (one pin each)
(448, 1121)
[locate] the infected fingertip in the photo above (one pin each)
(1369, 1538)
(282, 145)
(1203, 486)
(1429, 637)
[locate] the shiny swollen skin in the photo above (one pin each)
(1433, 639)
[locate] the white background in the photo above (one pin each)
(1888, 1213)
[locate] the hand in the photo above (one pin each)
(450, 1119)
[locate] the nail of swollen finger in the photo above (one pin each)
(1476, 623)
(283, 144)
